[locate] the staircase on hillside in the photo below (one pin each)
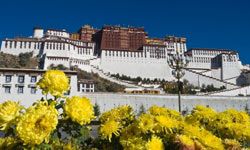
(244, 90)
(107, 76)
(217, 80)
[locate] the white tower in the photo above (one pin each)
(38, 32)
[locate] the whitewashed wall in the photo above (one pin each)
(107, 101)
(136, 66)
(16, 51)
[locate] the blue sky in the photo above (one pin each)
(206, 23)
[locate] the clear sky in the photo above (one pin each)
(206, 23)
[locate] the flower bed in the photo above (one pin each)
(41, 126)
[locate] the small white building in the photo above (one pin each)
(86, 86)
(21, 83)
(175, 44)
(220, 64)
(53, 47)
(59, 33)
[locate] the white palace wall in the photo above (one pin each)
(136, 66)
(14, 47)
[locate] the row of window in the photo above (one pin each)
(80, 62)
(66, 59)
(123, 54)
(88, 90)
(20, 79)
(84, 51)
(152, 48)
(17, 44)
(157, 54)
(229, 58)
(201, 59)
(20, 90)
(58, 58)
(56, 46)
(208, 53)
(62, 46)
(208, 60)
(79, 43)
(86, 87)
(178, 46)
(56, 33)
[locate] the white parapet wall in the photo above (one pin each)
(107, 101)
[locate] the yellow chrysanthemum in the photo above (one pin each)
(123, 114)
(109, 128)
(69, 146)
(79, 109)
(146, 123)
(236, 131)
(201, 115)
(232, 144)
(7, 143)
(202, 137)
(155, 144)
(185, 141)
(9, 111)
(157, 111)
(54, 82)
(37, 123)
(232, 124)
(233, 116)
(133, 143)
(166, 124)
(131, 138)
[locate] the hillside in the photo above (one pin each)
(23, 60)
(101, 85)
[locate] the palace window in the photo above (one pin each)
(10, 44)
(7, 89)
(33, 79)
(8, 78)
(15, 44)
(21, 79)
(6, 44)
(33, 90)
(20, 89)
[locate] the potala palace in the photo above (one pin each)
(130, 51)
